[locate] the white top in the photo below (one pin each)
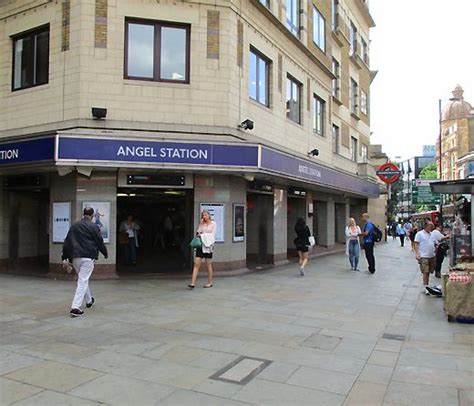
(438, 236)
(353, 232)
(426, 245)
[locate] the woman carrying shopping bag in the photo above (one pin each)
(204, 246)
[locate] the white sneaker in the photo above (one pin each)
(426, 292)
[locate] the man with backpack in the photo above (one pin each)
(371, 236)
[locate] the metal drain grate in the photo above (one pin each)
(241, 371)
(398, 337)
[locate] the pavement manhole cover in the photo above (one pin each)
(241, 371)
(398, 337)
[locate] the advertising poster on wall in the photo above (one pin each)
(61, 220)
(101, 217)
(239, 222)
(216, 210)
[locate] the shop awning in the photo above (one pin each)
(462, 186)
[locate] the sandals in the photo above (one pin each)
(209, 285)
(190, 286)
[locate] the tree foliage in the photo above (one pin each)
(429, 171)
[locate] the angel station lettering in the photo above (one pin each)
(163, 152)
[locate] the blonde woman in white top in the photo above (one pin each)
(352, 243)
(207, 231)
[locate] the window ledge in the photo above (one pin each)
(336, 38)
(290, 121)
(356, 61)
(337, 100)
(256, 103)
(321, 135)
(355, 115)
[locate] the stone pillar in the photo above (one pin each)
(4, 228)
(228, 255)
(331, 222)
(100, 187)
(280, 227)
(62, 189)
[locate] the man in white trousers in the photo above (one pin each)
(82, 246)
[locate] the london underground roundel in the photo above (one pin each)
(389, 173)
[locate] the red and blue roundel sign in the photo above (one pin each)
(389, 173)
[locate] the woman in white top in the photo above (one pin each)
(352, 243)
(207, 232)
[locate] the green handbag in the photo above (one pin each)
(196, 242)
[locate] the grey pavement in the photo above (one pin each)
(334, 337)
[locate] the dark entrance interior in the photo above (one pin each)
(28, 235)
(259, 229)
(165, 220)
(296, 208)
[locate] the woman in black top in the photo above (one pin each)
(302, 242)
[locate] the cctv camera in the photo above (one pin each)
(246, 125)
(314, 152)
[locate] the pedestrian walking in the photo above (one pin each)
(130, 228)
(206, 232)
(401, 234)
(302, 243)
(81, 247)
(441, 246)
(412, 235)
(393, 229)
(408, 227)
(425, 254)
(369, 241)
(352, 243)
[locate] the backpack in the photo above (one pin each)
(377, 234)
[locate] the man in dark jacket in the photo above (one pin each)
(81, 246)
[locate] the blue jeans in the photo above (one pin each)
(354, 252)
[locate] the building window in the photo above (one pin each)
(352, 39)
(336, 139)
(364, 153)
(336, 70)
(365, 51)
(31, 58)
(319, 115)
(293, 16)
(258, 77)
(364, 105)
(157, 51)
(319, 30)
(354, 97)
(293, 99)
(334, 14)
(266, 3)
(353, 149)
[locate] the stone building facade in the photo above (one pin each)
(457, 138)
(258, 110)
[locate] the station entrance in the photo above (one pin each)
(165, 220)
(26, 225)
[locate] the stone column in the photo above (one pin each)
(331, 222)
(280, 227)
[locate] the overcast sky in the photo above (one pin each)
(422, 49)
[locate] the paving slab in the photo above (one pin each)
(51, 398)
(54, 375)
(366, 394)
(119, 390)
(11, 361)
(13, 391)
(376, 374)
(399, 393)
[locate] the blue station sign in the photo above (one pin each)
(27, 151)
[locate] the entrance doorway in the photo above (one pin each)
(259, 230)
(340, 222)
(165, 218)
(28, 235)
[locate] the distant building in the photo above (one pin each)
(457, 138)
(411, 169)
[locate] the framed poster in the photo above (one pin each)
(101, 217)
(61, 220)
(216, 210)
(238, 229)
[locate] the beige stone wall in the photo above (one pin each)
(90, 72)
(454, 144)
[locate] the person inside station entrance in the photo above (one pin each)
(129, 229)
